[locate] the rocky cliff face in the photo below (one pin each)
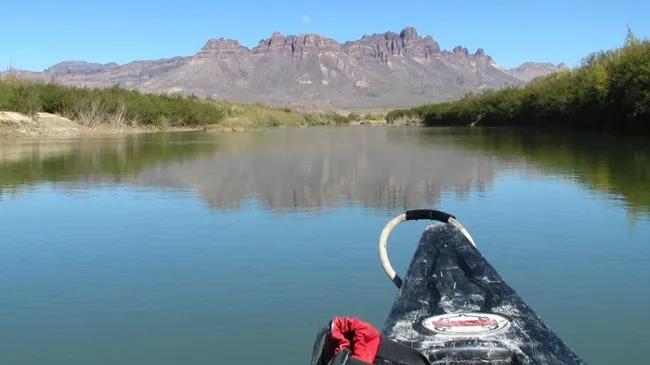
(221, 48)
(379, 70)
(382, 47)
(295, 46)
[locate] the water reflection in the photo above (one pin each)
(319, 168)
(616, 166)
(375, 167)
(89, 278)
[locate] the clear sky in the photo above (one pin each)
(39, 33)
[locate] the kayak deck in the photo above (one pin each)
(480, 318)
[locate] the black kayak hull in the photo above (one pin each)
(455, 308)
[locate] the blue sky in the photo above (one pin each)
(39, 33)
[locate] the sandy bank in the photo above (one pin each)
(14, 124)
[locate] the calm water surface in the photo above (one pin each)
(236, 248)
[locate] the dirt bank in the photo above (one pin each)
(14, 124)
(51, 125)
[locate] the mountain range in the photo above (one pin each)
(380, 70)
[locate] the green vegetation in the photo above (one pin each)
(94, 106)
(609, 92)
(374, 117)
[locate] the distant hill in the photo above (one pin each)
(379, 70)
(530, 70)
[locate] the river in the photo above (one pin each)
(200, 248)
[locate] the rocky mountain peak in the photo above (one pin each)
(409, 34)
(378, 46)
(221, 47)
(78, 68)
(277, 40)
(295, 46)
(460, 50)
(312, 42)
(382, 46)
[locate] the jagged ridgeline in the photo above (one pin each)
(379, 70)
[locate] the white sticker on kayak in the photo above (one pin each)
(466, 323)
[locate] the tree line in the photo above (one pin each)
(118, 105)
(608, 92)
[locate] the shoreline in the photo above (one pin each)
(18, 125)
(46, 125)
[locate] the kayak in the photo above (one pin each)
(452, 307)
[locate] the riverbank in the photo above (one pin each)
(13, 124)
(30, 108)
(607, 93)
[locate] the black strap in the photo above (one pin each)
(434, 215)
(400, 353)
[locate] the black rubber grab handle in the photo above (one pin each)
(428, 214)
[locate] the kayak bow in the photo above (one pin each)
(452, 307)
